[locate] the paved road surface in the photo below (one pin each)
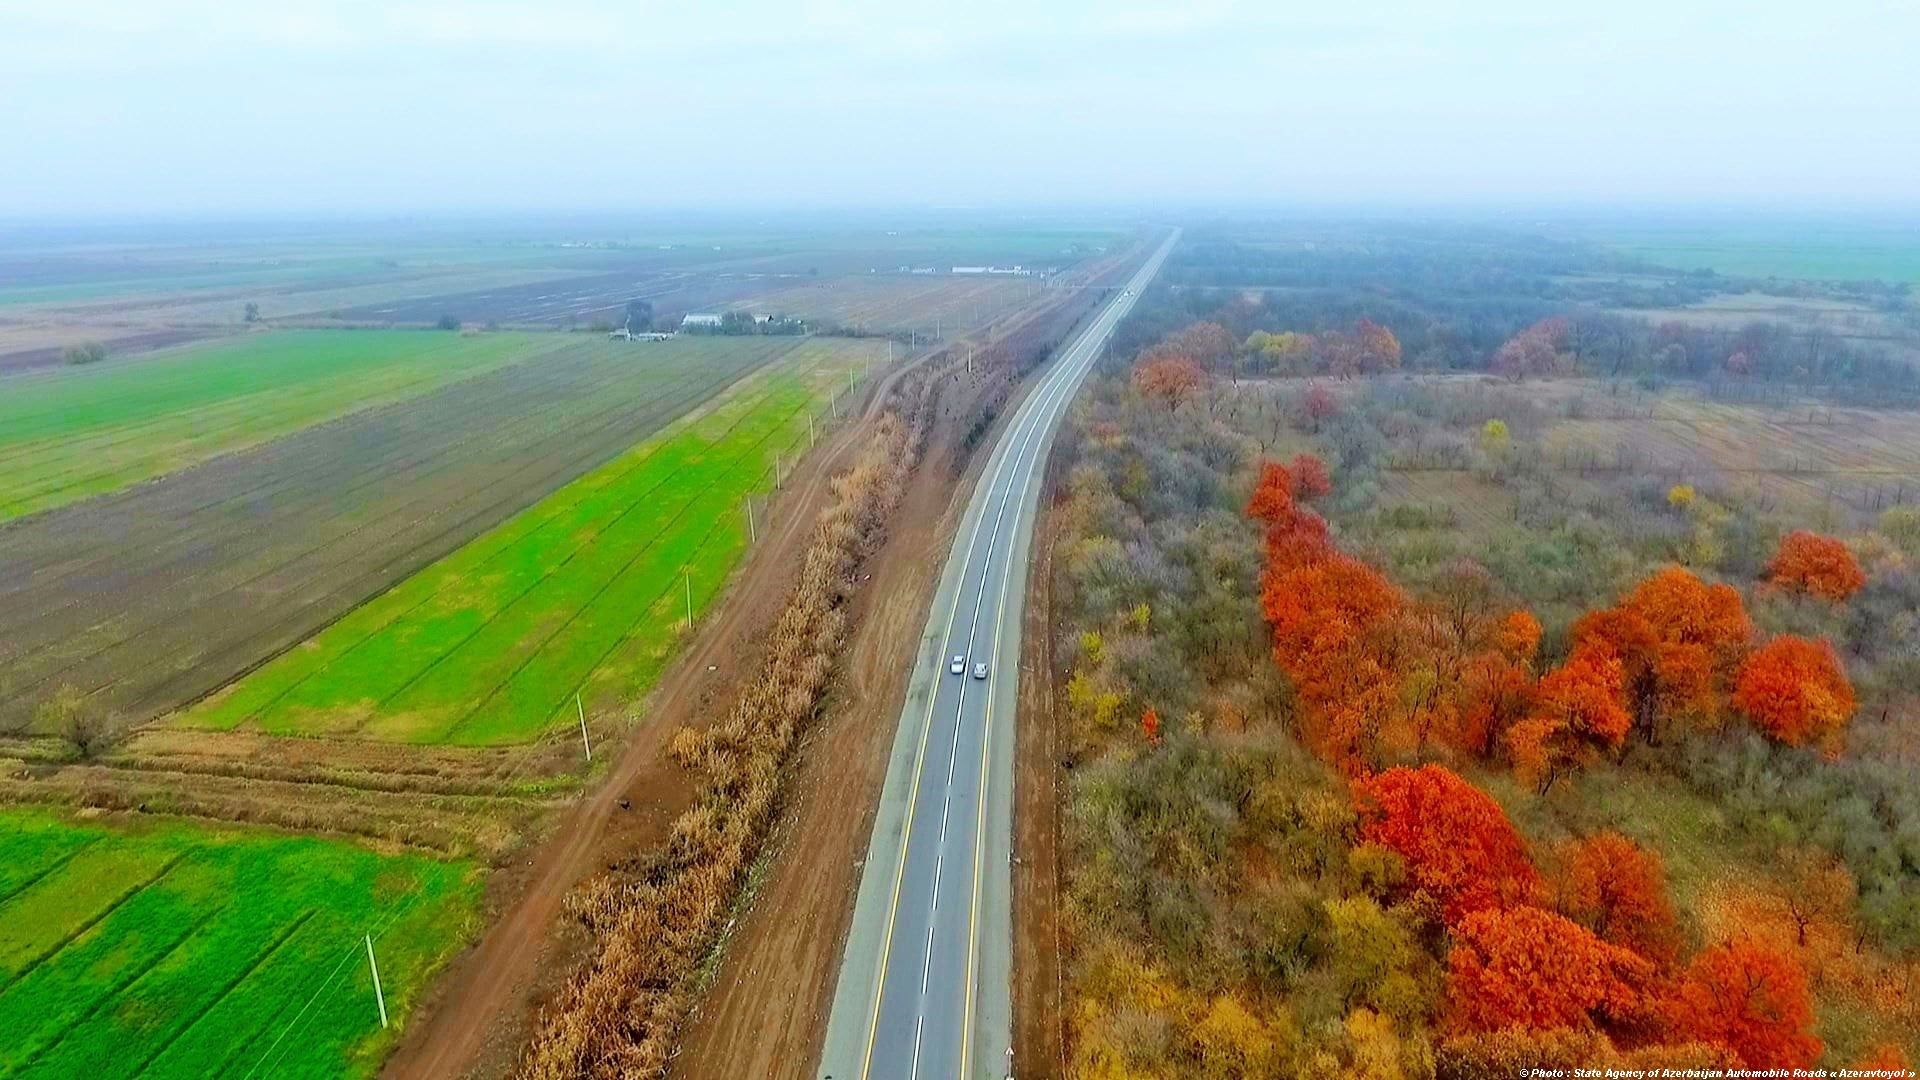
(925, 985)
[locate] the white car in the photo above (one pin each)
(959, 665)
(980, 670)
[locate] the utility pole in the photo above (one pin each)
(809, 431)
(753, 536)
(582, 710)
(689, 575)
(377, 995)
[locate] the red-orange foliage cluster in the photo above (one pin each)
(1751, 1000)
(1519, 636)
(1459, 847)
(1171, 379)
(1532, 969)
(1679, 641)
(1618, 889)
(1333, 620)
(1822, 565)
(1580, 712)
(1150, 727)
(1207, 343)
(1795, 691)
(1533, 351)
(1272, 498)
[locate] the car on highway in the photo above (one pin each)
(959, 665)
(980, 670)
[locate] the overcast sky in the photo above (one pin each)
(171, 107)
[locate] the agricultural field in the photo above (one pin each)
(148, 598)
(72, 432)
(169, 950)
(1829, 251)
(897, 303)
(584, 592)
(58, 287)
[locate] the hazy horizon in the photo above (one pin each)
(181, 109)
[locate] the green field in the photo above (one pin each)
(74, 432)
(174, 951)
(585, 591)
(1816, 251)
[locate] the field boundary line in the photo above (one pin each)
(50, 868)
(68, 939)
(106, 998)
(589, 601)
(557, 515)
(254, 965)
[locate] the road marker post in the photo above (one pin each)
(809, 431)
(379, 997)
(753, 535)
(582, 710)
(689, 574)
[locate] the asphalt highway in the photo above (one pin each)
(925, 984)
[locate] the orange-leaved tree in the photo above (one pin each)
(1680, 642)
(1334, 619)
(1820, 565)
(1272, 498)
(1528, 968)
(1795, 691)
(1172, 380)
(1618, 889)
(1579, 714)
(1751, 1000)
(1460, 850)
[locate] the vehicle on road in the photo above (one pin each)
(959, 665)
(980, 670)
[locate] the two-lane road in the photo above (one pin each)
(925, 985)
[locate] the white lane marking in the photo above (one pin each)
(1056, 391)
(1030, 420)
(1006, 449)
(986, 741)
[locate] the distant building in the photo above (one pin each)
(970, 269)
(701, 320)
(622, 334)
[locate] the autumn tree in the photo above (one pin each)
(1751, 1000)
(1795, 691)
(1310, 479)
(1680, 642)
(1580, 714)
(1536, 350)
(1528, 968)
(1206, 343)
(1818, 565)
(1272, 498)
(1319, 405)
(1173, 380)
(1150, 727)
(1460, 850)
(1379, 350)
(1285, 353)
(1618, 889)
(1333, 619)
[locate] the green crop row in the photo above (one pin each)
(584, 592)
(176, 951)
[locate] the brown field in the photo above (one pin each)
(1848, 320)
(898, 303)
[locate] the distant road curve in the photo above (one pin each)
(925, 983)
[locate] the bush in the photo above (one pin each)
(86, 352)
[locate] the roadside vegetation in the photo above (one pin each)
(1401, 740)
